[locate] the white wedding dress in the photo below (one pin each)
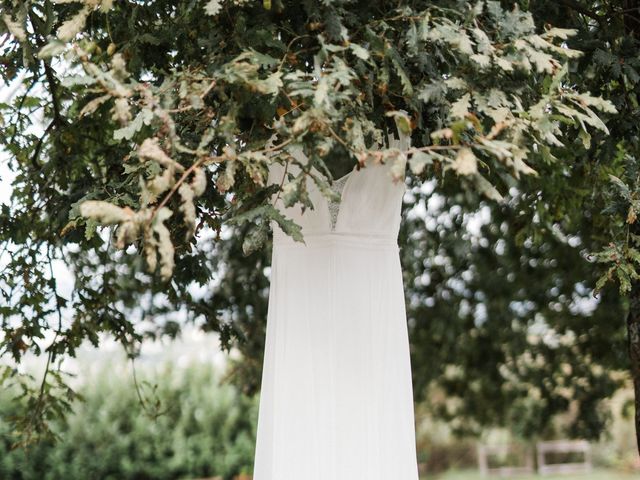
(336, 400)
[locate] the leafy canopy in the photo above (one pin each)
(157, 119)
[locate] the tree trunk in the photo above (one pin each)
(631, 10)
(632, 27)
(633, 334)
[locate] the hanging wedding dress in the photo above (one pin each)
(336, 400)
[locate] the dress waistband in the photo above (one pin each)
(342, 238)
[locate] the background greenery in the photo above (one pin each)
(504, 326)
(597, 475)
(191, 425)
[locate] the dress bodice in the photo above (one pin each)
(336, 397)
(370, 203)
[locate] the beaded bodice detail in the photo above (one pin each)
(334, 206)
(364, 204)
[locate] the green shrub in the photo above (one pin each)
(204, 429)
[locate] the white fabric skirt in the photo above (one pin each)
(336, 401)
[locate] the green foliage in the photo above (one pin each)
(206, 429)
(605, 181)
(181, 118)
(140, 146)
(505, 330)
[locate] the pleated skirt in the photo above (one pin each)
(336, 401)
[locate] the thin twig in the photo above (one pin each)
(284, 175)
(574, 5)
(40, 400)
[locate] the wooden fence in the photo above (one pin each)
(564, 446)
(544, 467)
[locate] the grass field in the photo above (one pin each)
(596, 475)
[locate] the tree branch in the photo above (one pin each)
(577, 7)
